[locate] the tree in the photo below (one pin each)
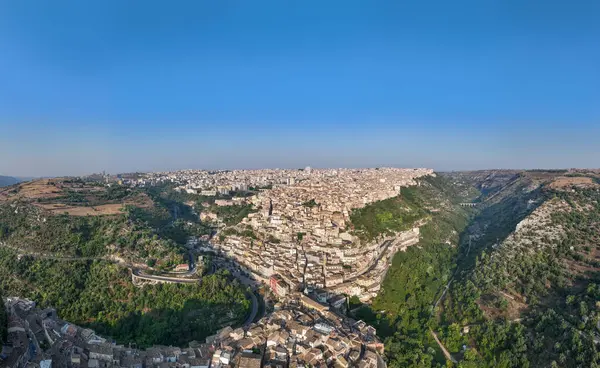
(354, 302)
(310, 204)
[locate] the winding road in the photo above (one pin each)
(252, 284)
(254, 310)
(135, 271)
(138, 274)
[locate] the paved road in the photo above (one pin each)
(182, 274)
(254, 310)
(158, 278)
(137, 272)
(24, 252)
(245, 281)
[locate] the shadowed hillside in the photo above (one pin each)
(7, 180)
(71, 243)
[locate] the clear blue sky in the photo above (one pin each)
(151, 85)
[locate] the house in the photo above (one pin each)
(354, 355)
(279, 286)
(199, 362)
(223, 333)
(223, 202)
(171, 354)
(309, 303)
(323, 328)
(75, 359)
(183, 267)
(246, 344)
(277, 354)
(313, 339)
(237, 334)
(249, 360)
(225, 357)
(341, 362)
(101, 352)
(68, 329)
(154, 355)
(189, 353)
(254, 331)
(130, 361)
(273, 339)
(369, 360)
(90, 337)
(216, 358)
(338, 301)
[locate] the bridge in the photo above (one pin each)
(137, 276)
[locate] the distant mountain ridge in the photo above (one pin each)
(8, 180)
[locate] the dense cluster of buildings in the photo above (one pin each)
(300, 231)
(213, 183)
(301, 333)
(298, 238)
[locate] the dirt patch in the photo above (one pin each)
(106, 209)
(74, 197)
(513, 310)
(101, 210)
(579, 268)
(31, 190)
(565, 181)
(595, 254)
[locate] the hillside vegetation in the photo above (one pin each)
(512, 282)
(101, 295)
(31, 229)
(433, 196)
(402, 310)
(3, 321)
(74, 196)
(529, 293)
(384, 217)
(62, 259)
(148, 223)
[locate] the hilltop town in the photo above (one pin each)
(295, 239)
(300, 234)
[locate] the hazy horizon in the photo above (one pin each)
(26, 177)
(144, 86)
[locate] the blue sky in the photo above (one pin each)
(118, 85)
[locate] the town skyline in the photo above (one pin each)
(29, 175)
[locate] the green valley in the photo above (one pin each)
(511, 282)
